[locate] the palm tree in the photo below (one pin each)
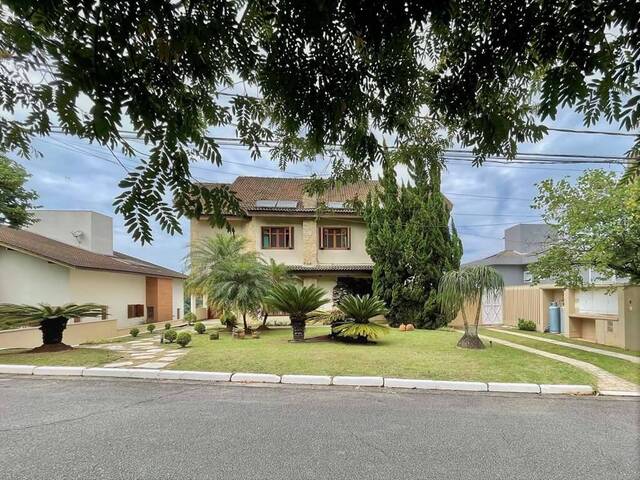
(240, 286)
(277, 273)
(208, 255)
(358, 311)
(469, 285)
(298, 302)
(52, 320)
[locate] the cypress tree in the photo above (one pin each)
(409, 237)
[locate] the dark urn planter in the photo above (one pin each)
(52, 331)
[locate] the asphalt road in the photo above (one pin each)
(130, 429)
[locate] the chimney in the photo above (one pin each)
(83, 229)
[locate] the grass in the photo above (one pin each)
(78, 357)
(622, 368)
(418, 354)
(562, 338)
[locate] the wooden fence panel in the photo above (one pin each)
(521, 302)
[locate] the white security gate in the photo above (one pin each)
(491, 313)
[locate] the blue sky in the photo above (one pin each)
(72, 174)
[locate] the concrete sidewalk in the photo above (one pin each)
(599, 351)
(607, 382)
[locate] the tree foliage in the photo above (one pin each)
(409, 236)
(595, 224)
(468, 286)
(327, 73)
(14, 315)
(15, 199)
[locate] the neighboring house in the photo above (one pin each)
(523, 243)
(606, 312)
(322, 246)
(67, 256)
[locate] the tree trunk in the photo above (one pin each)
(264, 326)
(244, 321)
(469, 340)
(478, 309)
(52, 331)
(298, 325)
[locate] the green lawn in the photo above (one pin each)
(562, 338)
(622, 368)
(418, 354)
(78, 357)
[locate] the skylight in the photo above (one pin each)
(335, 204)
(276, 203)
(266, 203)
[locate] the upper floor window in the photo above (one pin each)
(336, 238)
(277, 237)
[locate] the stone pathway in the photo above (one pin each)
(147, 353)
(606, 381)
(599, 351)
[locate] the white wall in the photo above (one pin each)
(96, 229)
(178, 298)
(116, 290)
(30, 280)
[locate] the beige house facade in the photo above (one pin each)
(321, 240)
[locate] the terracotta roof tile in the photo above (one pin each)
(251, 189)
(60, 252)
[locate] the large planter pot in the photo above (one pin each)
(53, 329)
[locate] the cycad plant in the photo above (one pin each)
(359, 310)
(468, 286)
(298, 302)
(52, 319)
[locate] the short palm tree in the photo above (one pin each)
(358, 311)
(52, 320)
(208, 255)
(469, 285)
(240, 286)
(298, 302)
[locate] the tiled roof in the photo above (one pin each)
(59, 252)
(332, 267)
(506, 257)
(251, 189)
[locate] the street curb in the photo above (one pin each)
(321, 380)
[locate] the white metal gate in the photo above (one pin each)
(491, 313)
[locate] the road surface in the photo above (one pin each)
(80, 428)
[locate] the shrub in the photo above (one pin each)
(229, 320)
(151, 327)
(170, 335)
(183, 339)
(199, 327)
(134, 332)
(190, 318)
(528, 325)
(214, 335)
(167, 326)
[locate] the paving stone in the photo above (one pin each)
(142, 357)
(168, 359)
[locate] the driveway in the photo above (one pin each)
(130, 429)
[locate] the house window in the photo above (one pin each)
(277, 237)
(104, 312)
(527, 277)
(134, 311)
(335, 238)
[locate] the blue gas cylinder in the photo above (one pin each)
(554, 318)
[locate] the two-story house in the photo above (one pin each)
(321, 246)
